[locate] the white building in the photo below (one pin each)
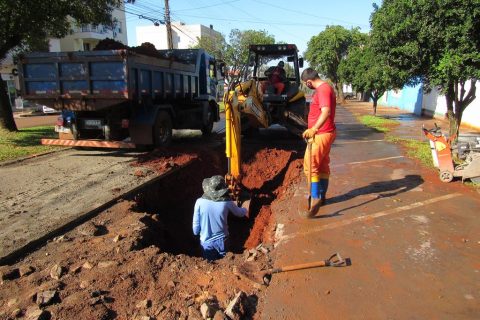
(86, 37)
(183, 36)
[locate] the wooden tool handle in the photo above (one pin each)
(301, 266)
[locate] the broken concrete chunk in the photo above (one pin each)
(106, 264)
(46, 298)
(35, 313)
(89, 229)
(87, 265)
(117, 238)
(62, 238)
(56, 272)
(208, 309)
(238, 307)
(144, 304)
(26, 270)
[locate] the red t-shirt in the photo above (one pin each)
(324, 96)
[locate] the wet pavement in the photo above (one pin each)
(414, 242)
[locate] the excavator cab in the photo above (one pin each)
(267, 93)
(275, 69)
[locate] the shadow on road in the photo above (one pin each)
(383, 189)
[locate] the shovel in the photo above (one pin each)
(309, 182)
(335, 260)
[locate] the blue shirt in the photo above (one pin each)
(210, 218)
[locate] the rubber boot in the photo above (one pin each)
(324, 188)
(316, 201)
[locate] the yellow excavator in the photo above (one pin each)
(267, 93)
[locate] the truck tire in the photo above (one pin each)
(162, 130)
(207, 128)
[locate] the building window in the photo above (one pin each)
(86, 47)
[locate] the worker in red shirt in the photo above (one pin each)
(321, 133)
(276, 77)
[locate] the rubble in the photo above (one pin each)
(45, 298)
(56, 272)
(139, 259)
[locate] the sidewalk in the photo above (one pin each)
(414, 241)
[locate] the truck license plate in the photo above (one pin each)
(93, 124)
(62, 129)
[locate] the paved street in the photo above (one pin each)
(414, 241)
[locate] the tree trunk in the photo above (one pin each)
(340, 98)
(375, 101)
(457, 102)
(6, 114)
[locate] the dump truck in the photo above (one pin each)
(120, 98)
(267, 93)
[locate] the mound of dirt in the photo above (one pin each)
(137, 260)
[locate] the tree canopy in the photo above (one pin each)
(216, 45)
(26, 24)
(368, 72)
(236, 55)
(326, 51)
(436, 43)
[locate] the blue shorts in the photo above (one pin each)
(215, 249)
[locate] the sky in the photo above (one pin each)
(288, 21)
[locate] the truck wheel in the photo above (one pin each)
(446, 176)
(162, 131)
(207, 128)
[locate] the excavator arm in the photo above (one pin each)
(241, 98)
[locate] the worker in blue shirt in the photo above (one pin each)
(210, 217)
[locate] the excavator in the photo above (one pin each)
(268, 92)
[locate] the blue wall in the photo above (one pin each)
(408, 99)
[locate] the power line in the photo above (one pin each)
(311, 15)
(209, 6)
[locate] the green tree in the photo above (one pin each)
(216, 45)
(436, 43)
(326, 51)
(26, 24)
(369, 72)
(236, 55)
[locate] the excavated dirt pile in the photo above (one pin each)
(140, 260)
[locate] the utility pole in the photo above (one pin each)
(168, 26)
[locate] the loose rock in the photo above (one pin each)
(26, 270)
(56, 272)
(35, 313)
(238, 308)
(46, 298)
(144, 304)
